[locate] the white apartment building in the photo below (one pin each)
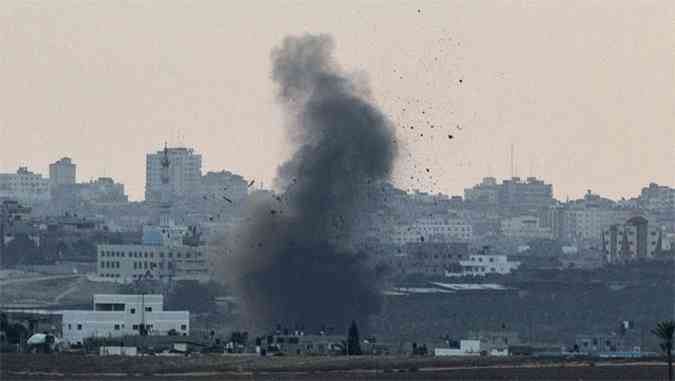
(433, 229)
(525, 227)
(123, 315)
(185, 173)
(481, 265)
(128, 263)
(62, 172)
(24, 186)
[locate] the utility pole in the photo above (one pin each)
(2, 234)
(3, 221)
(512, 162)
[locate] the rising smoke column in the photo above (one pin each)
(292, 264)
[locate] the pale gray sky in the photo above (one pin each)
(585, 90)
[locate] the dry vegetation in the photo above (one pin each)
(69, 366)
(68, 291)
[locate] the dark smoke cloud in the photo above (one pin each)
(293, 263)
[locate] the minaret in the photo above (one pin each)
(165, 192)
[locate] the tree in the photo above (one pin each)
(664, 331)
(353, 341)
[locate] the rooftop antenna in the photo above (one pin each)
(512, 162)
(181, 136)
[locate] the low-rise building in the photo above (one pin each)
(427, 258)
(124, 315)
(103, 191)
(301, 344)
(129, 263)
(481, 265)
(525, 227)
(465, 348)
(433, 229)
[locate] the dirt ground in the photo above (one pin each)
(215, 367)
(44, 291)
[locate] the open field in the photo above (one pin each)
(216, 367)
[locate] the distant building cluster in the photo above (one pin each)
(498, 227)
(511, 230)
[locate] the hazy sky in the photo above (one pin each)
(585, 91)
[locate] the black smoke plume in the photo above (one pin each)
(292, 257)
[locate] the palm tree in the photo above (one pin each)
(664, 330)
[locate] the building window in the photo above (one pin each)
(183, 327)
(132, 311)
(148, 309)
(134, 327)
(70, 326)
(117, 327)
(79, 327)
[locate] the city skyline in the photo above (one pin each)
(575, 101)
(488, 179)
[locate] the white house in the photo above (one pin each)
(123, 315)
(488, 264)
(430, 229)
